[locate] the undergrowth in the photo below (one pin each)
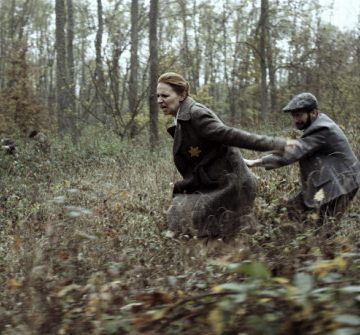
(84, 250)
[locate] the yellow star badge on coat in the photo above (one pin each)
(194, 151)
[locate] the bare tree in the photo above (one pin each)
(3, 44)
(70, 67)
(186, 56)
(154, 66)
(99, 70)
(263, 23)
(61, 80)
(134, 64)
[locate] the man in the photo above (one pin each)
(329, 170)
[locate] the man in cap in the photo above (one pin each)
(329, 170)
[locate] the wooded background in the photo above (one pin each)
(67, 64)
(84, 246)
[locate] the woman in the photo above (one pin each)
(217, 189)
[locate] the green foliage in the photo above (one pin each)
(20, 110)
(203, 96)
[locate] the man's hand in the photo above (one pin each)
(253, 162)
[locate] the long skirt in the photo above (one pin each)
(217, 213)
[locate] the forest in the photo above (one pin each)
(84, 245)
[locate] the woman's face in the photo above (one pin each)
(169, 101)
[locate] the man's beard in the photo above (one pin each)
(304, 125)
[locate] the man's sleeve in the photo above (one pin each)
(209, 127)
(310, 144)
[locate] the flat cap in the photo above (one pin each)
(303, 101)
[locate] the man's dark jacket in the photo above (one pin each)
(326, 161)
(217, 187)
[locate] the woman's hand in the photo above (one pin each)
(291, 146)
(253, 162)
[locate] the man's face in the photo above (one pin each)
(301, 119)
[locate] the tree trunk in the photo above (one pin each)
(61, 80)
(185, 53)
(235, 89)
(12, 21)
(83, 78)
(272, 69)
(262, 54)
(229, 92)
(197, 52)
(70, 68)
(154, 69)
(3, 38)
(133, 83)
(99, 71)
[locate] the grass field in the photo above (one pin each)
(84, 250)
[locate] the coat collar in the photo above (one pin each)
(183, 115)
(322, 120)
(184, 111)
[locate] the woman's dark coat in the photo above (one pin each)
(217, 189)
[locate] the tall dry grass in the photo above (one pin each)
(83, 236)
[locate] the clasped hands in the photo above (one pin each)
(290, 148)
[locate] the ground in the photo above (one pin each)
(84, 249)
